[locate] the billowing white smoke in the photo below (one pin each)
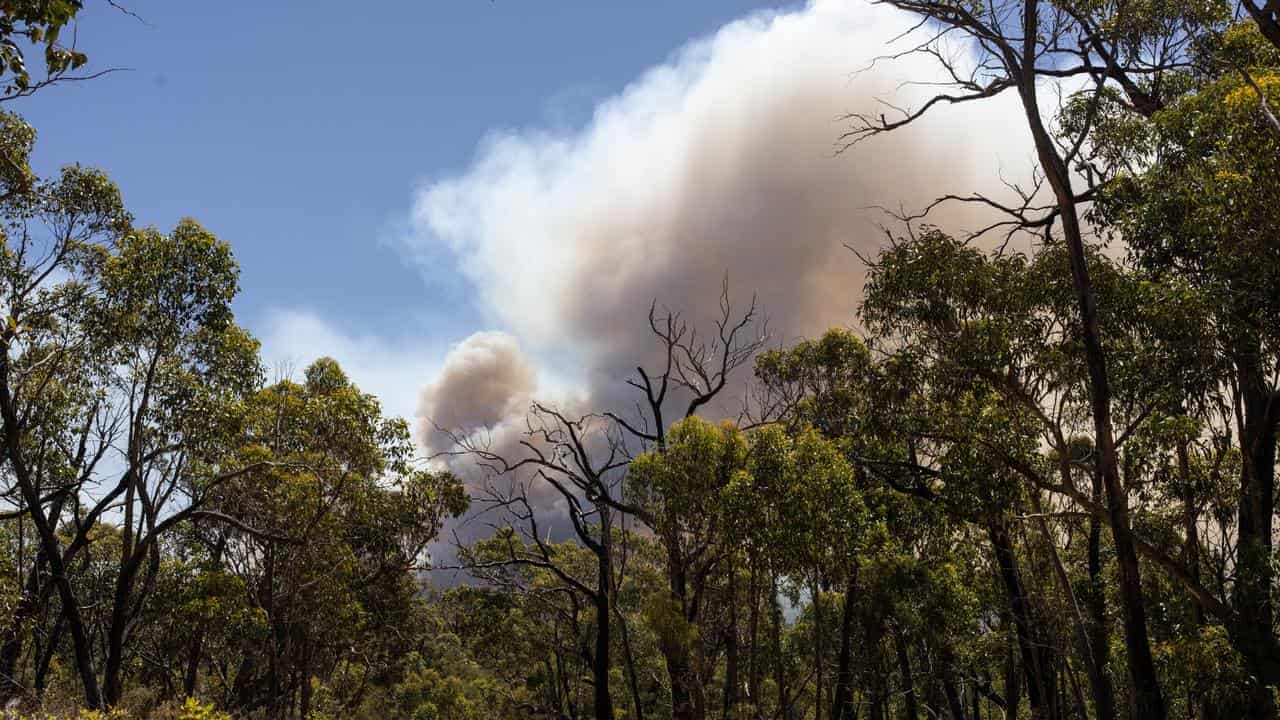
(720, 162)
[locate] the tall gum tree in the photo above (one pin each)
(1202, 214)
(1016, 45)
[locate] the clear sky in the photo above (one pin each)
(299, 131)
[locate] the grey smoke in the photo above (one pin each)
(484, 380)
(720, 162)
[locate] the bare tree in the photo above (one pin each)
(583, 460)
(694, 371)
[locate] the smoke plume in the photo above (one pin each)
(721, 162)
(484, 380)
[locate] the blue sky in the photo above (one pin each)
(298, 131)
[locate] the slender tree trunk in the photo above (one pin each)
(123, 588)
(46, 656)
(1197, 706)
(1012, 685)
(273, 623)
(1251, 595)
(191, 677)
(242, 689)
(629, 656)
(817, 648)
(676, 653)
(873, 629)
(1147, 700)
(731, 680)
(753, 633)
(977, 704)
(49, 545)
(116, 631)
(1096, 602)
(910, 710)
(842, 704)
(1099, 681)
(602, 699)
(954, 702)
(1069, 675)
(1038, 690)
(779, 667)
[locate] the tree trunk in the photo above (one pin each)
(1147, 700)
(49, 545)
(680, 670)
(731, 681)
(688, 701)
(112, 685)
(1039, 687)
(191, 677)
(817, 648)
(753, 633)
(1099, 681)
(954, 703)
(977, 704)
(910, 710)
(1251, 595)
(842, 704)
(1012, 685)
(1096, 602)
(878, 676)
(779, 668)
(603, 700)
(629, 656)
(46, 657)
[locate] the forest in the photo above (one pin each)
(1034, 477)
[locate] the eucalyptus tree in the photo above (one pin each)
(140, 322)
(818, 529)
(57, 233)
(182, 370)
(337, 522)
(1113, 50)
(678, 491)
(691, 373)
(1201, 215)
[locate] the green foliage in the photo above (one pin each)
(37, 23)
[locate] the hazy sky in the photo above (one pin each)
(398, 175)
